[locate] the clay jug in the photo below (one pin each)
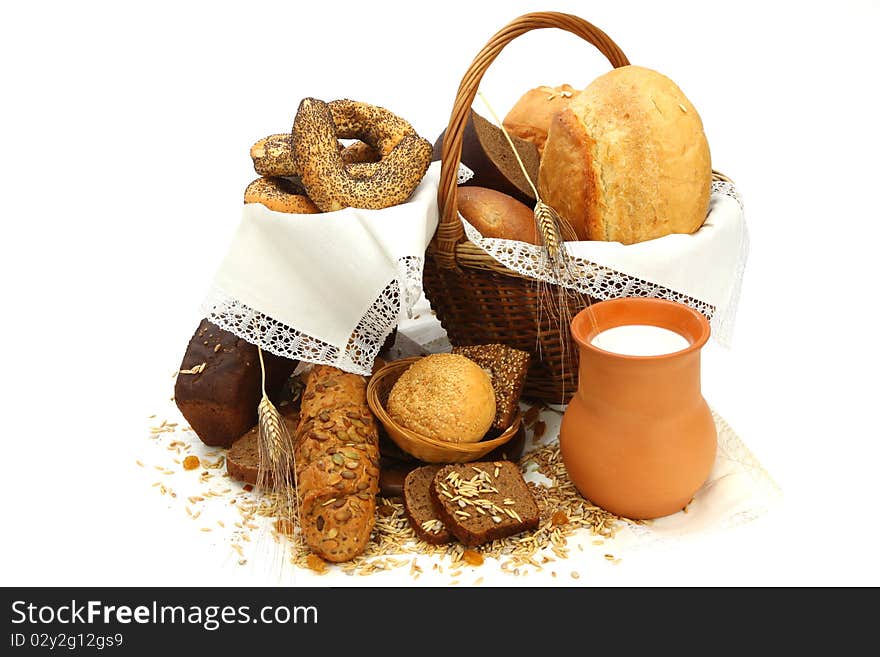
(638, 439)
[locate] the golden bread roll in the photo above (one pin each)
(445, 397)
(628, 160)
(530, 118)
(497, 215)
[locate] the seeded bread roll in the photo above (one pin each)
(445, 397)
(337, 462)
(497, 215)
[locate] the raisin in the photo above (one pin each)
(316, 563)
(559, 518)
(473, 557)
(191, 462)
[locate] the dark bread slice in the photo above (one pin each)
(495, 487)
(243, 458)
(507, 368)
(420, 507)
(486, 152)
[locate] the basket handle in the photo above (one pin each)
(449, 231)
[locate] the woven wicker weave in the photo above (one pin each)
(477, 299)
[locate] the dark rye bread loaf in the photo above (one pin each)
(218, 385)
(485, 151)
(419, 506)
(484, 501)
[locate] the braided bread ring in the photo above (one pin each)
(272, 155)
(330, 182)
(280, 195)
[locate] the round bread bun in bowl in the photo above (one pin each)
(449, 430)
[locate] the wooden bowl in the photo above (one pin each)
(424, 448)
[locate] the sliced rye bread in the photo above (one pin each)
(420, 508)
(507, 367)
(243, 458)
(484, 501)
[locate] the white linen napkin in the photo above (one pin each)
(703, 270)
(325, 288)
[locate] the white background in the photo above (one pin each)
(125, 136)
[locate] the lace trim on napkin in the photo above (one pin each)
(368, 337)
(600, 282)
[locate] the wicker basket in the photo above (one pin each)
(422, 447)
(477, 299)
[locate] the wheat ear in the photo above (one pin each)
(276, 473)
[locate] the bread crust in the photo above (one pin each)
(330, 182)
(497, 215)
(280, 195)
(220, 399)
(531, 116)
(645, 167)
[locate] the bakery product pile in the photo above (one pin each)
(624, 159)
(310, 170)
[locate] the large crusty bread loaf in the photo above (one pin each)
(628, 160)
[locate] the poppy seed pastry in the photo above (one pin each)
(446, 397)
(280, 195)
(330, 182)
(273, 155)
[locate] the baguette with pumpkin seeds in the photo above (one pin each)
(337, 464)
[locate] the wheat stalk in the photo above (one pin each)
(276, 473)
(557, 300)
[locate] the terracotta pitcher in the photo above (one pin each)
(638, 438)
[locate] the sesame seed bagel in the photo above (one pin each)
(280, 195)
(330, 182)
(273, 155)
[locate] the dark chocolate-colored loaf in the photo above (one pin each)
(486, 152)
(218, 387)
